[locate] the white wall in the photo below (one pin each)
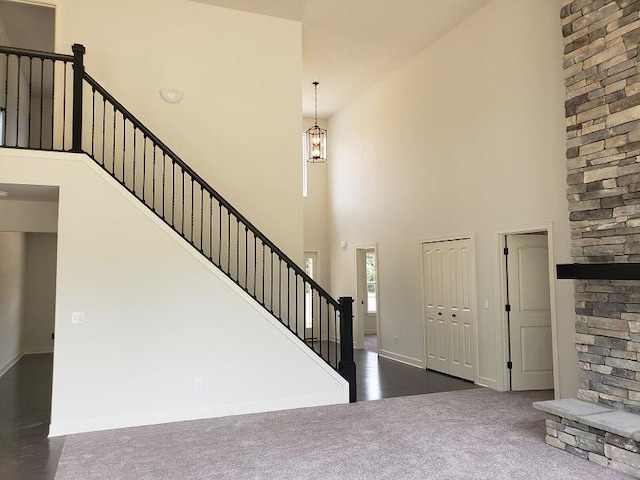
(39, 292)
(157, 317)
(465, 138)
(238, 124)
(316, 235)
(11, 288)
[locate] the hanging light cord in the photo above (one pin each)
(316, 100)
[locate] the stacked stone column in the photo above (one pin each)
(602, 79)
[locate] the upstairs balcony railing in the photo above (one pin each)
(49, 102)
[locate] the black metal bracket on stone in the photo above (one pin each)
(598, 271)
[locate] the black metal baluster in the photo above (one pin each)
(18, 105)
(42, 64)
(210, 227)
(113, 151)
(93, 121)
(153, 180)
(29, 125)
(134, 160)
(144, 168)
(288, 296)
(263, 302)
(320, 323)
(182, 204)
(219, 235)
(124, 148)
(164, 178)
(335, 333)
(237, 250)
(280, 287)
(255, 264)
(271, 280)
(6, 99)
(297, 326)
(65, 67)
(229, 242)
(53, 103)
(192, 206)
(311, 320)
(104, 124)
(246, 258)
(173, 193)
(201, 218)
(304, 309)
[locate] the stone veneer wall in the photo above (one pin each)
(602, 81)
(604, 448)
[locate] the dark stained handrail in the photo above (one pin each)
(140, 126)
(22, 52)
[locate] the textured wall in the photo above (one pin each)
(603, 143)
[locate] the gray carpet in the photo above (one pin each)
(469, 434)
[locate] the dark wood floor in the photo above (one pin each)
(379, 377)
(25, 408)
(25, 404)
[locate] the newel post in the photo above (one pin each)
(347, 366)
(78, 78)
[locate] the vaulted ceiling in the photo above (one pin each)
(350, 44)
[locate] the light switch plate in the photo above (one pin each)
(77, 318)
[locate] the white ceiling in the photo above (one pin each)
(350, 44)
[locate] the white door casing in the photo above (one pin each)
(530, 313)
(448, 307)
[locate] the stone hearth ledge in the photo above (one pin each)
(621, 423)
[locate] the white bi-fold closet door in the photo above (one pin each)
(449, 307)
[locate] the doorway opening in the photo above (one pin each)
(367, 334)
(527, 293)
(28, 268)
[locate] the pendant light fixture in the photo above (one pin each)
(316, 138)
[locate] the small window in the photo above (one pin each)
(305, 155)
(370, 266)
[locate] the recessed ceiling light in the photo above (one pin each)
(4, 194)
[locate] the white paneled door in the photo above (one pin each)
(448, 307)
(530, 314)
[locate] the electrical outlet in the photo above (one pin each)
(77, 318)
(395, 340)
(197, 384)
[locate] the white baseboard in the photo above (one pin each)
(414, 362)
(489, 383)
(371, 332)
(57, 429)
(38, 350)
(10, 364)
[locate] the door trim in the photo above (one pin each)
(474, 296)
(501, 295)
(358, 324)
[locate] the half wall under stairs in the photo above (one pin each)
(167, 336)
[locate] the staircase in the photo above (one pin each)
(49, 102)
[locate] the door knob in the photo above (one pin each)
(439, 313)
(454, 315)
